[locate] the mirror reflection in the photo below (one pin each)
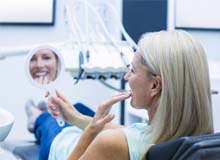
(44, 66)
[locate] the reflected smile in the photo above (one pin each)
(39, 74)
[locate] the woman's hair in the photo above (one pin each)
(184, 107)
(58, 63)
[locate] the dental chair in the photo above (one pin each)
(23, 150)
(205, 147)
(27, 152)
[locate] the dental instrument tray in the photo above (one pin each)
(98, 61)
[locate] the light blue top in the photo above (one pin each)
(138, 136)
(65, 141)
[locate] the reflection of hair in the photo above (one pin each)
(56, 55)
(184, 106)
(58, 63)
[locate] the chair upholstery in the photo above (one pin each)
(207, 149)
(205, 154)
(185, 148)
(166, 150)
(27, 152)
(24, 150)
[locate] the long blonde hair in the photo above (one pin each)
(184, 107)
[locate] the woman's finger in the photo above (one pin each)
(115, 99)
(45, 80)
(37, 80)
(47, 94)
(108, 118)
(55, 114)
(122, 93)
(40, 80)
(53, 109)
(119, 97)
(61, 96)
(59, 101)
(100, 123)
(52, 106)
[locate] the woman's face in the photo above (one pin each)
(140, 82)
(43, 66)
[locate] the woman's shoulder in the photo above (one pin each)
(109, 144)
(113, 137)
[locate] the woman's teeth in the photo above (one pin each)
(41, 74)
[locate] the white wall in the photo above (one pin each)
(210, 40)
(15, 89)
(197, 14)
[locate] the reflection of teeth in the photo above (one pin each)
(41, 73)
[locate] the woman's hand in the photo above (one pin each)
(59, 104)
(42, 80)
(102, 115)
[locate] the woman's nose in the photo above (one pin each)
(40, 63)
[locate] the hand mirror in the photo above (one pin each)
(44, 67)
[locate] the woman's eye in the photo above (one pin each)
(46, 58)
(33, 59)
(132, 70)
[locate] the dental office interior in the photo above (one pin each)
(104, 29)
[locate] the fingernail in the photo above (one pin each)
(128, 93)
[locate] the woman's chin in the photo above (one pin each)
(133, 104)
(136, 105)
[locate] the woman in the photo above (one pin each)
(169, 78)
(44, 66)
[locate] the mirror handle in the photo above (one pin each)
(59, 118)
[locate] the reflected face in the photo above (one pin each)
(43, 66)
(140, 82)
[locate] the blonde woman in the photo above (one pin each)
(169, 78)
(44, 66)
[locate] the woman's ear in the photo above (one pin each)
(156, 86)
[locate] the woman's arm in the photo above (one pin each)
(96, 125)
(86, 138)
(70, 114)
(108, 145)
